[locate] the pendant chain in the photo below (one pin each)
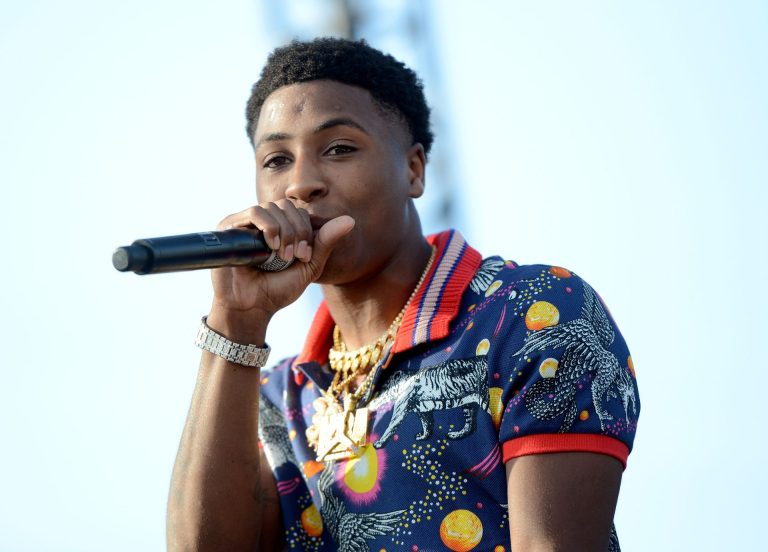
(347, 365)
(337, 433)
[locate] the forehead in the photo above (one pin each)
(292, 107)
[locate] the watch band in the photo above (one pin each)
(246, 355)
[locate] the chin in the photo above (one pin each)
(333, 275)
(339, 269)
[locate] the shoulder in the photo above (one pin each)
(562, 364)
(518, 300)
(526, 283)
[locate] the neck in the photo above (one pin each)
(364, 309)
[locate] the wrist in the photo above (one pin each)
(240, 326)
(249, 354)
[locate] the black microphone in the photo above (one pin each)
(235, 247)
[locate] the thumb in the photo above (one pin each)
(329, 235)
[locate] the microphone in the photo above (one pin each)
(234, 247)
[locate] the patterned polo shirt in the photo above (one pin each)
(492, 361)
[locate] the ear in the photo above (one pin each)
(417, 164)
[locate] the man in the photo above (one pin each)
(440, 401)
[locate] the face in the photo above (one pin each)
(331, 150)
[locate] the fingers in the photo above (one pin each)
(296, 230)
(286, 228)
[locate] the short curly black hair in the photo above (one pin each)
(391, 84)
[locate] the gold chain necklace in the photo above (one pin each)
(338, 433)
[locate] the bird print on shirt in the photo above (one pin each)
(350, 530)
(585, 342)
(485, 274)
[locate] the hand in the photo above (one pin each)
(248, 293)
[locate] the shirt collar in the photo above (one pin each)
(428, 316)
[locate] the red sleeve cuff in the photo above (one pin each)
(565, 442)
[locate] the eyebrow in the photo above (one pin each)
(272, 137)
(330, 123)
(339, 121)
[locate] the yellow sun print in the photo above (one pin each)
(311, 521)
(461, 530)
(360, 473)
(548, 368)
(541, 314)
(495, 405)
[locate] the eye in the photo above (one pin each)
(340, 149)
(275, 162)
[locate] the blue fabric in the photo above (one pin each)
(533, 363)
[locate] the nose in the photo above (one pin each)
(306, 182)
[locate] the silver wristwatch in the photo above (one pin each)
(246, 355)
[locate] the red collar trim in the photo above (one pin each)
(430, 313)
(319, 338)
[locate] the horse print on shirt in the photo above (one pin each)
(452, 384)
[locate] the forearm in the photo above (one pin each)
(216, 500)
(223, 495)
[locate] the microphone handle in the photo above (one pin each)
(235, 247)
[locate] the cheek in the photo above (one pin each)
(380, 181)
(266, 191)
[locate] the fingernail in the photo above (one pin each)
(288, 254)
(276, 242)
(301, 250)
(229, 227)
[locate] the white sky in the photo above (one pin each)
(626, 141)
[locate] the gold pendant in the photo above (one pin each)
(342, 434)
(324, 405)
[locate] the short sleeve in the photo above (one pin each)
(570, 382)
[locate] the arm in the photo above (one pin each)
(223, 496)
(562, 501)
